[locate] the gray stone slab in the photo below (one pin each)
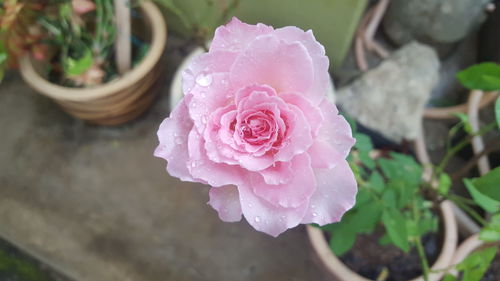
(95, 204)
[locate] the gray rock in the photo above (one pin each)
(434, 22)
(391, 97)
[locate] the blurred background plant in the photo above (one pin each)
(398, 197)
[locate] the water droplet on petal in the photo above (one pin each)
(313, 206)
(250, 205)
(204, 79)
(204, 119)
(257, 219)
(315, 214)
(178, 140)
(193, 164)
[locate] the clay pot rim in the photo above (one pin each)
(337, 268)
(158, 27)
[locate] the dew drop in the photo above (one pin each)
(178, 140)
(250, 205)
(257, 219)
(313, 206)
(315, 214)
(204, 79)
(203, 94)
(204, 119)
(193, 164)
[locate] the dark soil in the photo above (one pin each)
(368, 258)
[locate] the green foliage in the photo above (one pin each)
(388, 199)
(491, 232)
(444, 184)
(78, 66)
(485, 190)
(395, 225)
(487, 203)
(484, 76)
(475, 265)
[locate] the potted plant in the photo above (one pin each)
(398, 225)
(387, 184)
(79, 70)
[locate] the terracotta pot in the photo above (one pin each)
(344, 273)
(114, 102)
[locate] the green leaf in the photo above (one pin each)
(389, 198)
(343, 236)
(362, 197)
(444, 184)
(366, 160)
(395, 225)
(376, 182)
(475, 265)
(487, 203)
(491, 232)
(449, 277)
(366, 218)
(479, 77)
(74, 67)
(464, 119)
(402, 167)
(363, 142)
(385, 240)
(497, 111)
(489, 184)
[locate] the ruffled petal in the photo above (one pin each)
(319, 59)
(335, 130)
(173, 136)
(225, 200)
(266, 217)
(335, 194)
(201, 167)
(312, 113)
(286, 67)
(297, 191)
(236, 35)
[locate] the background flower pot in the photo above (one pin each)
(342, 272)
(114, 102)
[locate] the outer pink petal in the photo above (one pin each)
(287, 67)
(205, 64)
(298, 138)
(295, 192)
(311, 112)
(278, 173)
(225, 200)
(335, 194)
(266, 217)
(201, 167)
(319, 59)
(173, 136)
(236, 35)
(207, 99)
(335, 130)
(324, 155)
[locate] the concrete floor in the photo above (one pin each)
(94, 203)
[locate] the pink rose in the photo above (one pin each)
(255, 124)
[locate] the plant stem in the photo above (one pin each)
(423, 258)
(450, 153)
(469, 210)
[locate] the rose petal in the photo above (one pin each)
(173, 136)
(236, 35)
(278, 173)
(225, 200)
(298, 136)
(335, 130)
(335, 194)
(266, 217)
(324, 155)
(207, 99)
(312, 113)
(319, 59)
(295, 192)
(287, 67)
(205, 64)
(201, 167)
